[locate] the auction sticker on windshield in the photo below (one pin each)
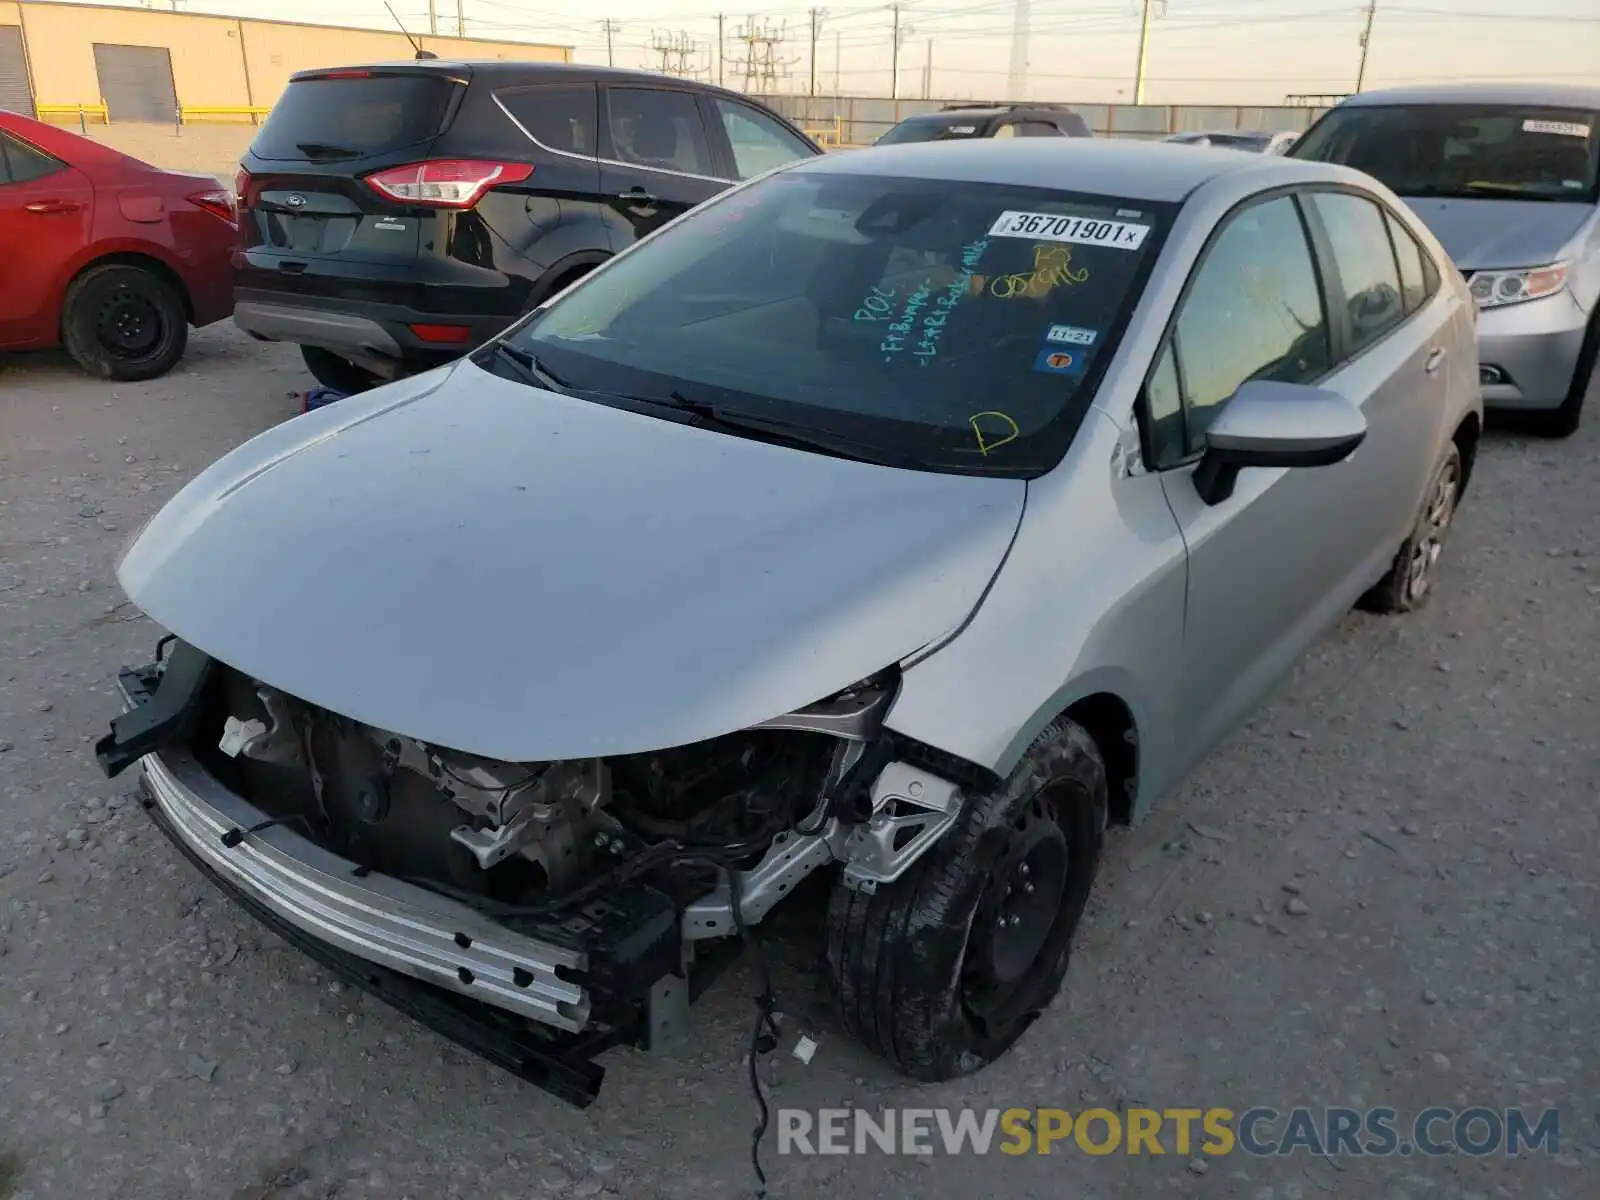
(1081, 231)
(1563, 128)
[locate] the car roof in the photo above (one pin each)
(86, 154)
(1136, 170)
(987, 110)
(1557, 95)
(493, 68)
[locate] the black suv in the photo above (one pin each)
(393, 216)
(962, 121)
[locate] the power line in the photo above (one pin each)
(762, 66)
(677, 54)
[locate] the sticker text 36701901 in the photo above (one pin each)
(1082, 231)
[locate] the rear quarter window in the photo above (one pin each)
(356, 117)
(560, 117)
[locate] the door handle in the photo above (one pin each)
(51, 208)
(637, 197)
(1435, 360)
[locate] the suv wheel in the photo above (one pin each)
(124, 322)
(941, 971)
(340, 374)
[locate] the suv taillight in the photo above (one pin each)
(446, 182)
(219, 203)
(241, 192)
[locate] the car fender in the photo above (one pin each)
(114, 247)
(1089, 600)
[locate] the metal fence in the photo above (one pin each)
(861, 120)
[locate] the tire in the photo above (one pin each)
(124, 322)
(340, 374)
(926, 971)
(1410, 578)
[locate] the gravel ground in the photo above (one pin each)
(1382, 891)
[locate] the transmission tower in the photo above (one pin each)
(677, 54)
(761, 64)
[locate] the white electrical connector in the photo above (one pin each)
(235, 733)
(805, 1049)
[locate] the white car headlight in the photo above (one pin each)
(1493, 289)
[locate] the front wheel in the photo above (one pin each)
(941, 971)
(123, 322)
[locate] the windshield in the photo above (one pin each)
(1527, 152)
(932, 129)
(947, 326)
(353, 116)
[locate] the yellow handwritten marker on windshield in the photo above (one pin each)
(991, 442)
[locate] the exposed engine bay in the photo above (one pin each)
(510, 834)
(537, 912)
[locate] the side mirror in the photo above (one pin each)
(1268, 424)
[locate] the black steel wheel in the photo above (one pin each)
(941, 971)
(125, 322)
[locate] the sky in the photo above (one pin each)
(1199, 51)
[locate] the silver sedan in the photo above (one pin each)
(906, 515)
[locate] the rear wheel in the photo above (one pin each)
(941, 971)
(124, 322)
(1410, 580)
(340, 374)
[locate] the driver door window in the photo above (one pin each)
(658, 129)
(1254, 310)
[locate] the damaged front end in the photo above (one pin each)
(537, 913)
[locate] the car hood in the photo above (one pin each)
(1490, 234)
(528, 576)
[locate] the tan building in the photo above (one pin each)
(72, 62)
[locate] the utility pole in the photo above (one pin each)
(679, 53)
(1366, 43)
(433, 18)
(927, 73)
(762, 66)
(719, 49)
(461, 18)
(1144, 49)
(610, 27)
(1017, 75)
(816, 22)
(836, 57)
(894, 61)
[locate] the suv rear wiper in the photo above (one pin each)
(324, 150)
(776, 432)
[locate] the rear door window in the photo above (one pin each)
(20, 163)
(655, 128)
(1366, 262)
(559, 118)
(1414, 278)
(355, 116)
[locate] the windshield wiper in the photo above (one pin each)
(527, 368)
(324, 150)
(1523, 191)
(778, 433)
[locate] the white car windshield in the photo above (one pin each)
(947, 326)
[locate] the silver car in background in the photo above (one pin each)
(1251, 141)
(1508, 178)
(907, 515)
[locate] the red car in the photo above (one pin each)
(103, 254)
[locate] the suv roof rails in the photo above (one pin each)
(1050, 104)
